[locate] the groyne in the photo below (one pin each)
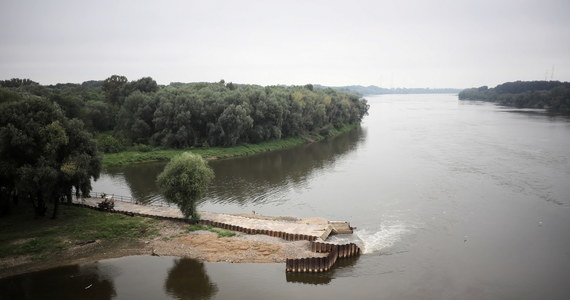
(315, 230)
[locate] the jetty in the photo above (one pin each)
(314, 230)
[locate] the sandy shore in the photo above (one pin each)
(171, 240)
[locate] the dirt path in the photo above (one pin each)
(316, 227)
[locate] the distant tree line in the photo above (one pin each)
(376, 90)
(125, 113)
(551, 95)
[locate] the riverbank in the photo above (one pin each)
(82, 235)
(127, 157)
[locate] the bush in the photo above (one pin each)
(142, 148)
(326, 130)
(109, 144)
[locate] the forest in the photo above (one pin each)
(143, 114)
(551, 95)
(47, 149)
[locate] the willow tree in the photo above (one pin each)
(184, 180)
(43, 155)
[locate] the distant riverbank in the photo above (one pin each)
(127, 157)
(554, 96)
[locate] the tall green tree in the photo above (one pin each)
(184, 181)
(113, 89)
(135, 117)
(43, 155)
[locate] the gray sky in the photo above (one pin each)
(397, 43)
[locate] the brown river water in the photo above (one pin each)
(452, 200)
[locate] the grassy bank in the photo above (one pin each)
(127, 157)
(22, 236)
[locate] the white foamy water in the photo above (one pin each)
(387, 236)
(371, 240)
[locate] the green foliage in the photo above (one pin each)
(326, 130)
(184, 180)
(98, 116)
(109, 144)
(113, 89)
(187, 115)
(7, 95)
(219, 114)
(552, 95)
(17, 82)
(44, 155)
(127, 157)
(144, 85)
(142, 148)
(197, 227)
(135, 117)
(221, 232)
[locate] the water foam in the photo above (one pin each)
(376, 240)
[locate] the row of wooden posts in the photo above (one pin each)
(306, 265)
(321, 264)
(280, 234)
(310, 264)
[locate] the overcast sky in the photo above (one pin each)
(395, 43)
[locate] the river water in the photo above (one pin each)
(452, 200)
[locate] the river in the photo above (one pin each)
(452, 200)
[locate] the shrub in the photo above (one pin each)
(109, 144)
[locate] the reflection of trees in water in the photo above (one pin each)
(250, 178)
(67, 282)
(141, 178)
(257, 177)
(188, 279)
(322, 278)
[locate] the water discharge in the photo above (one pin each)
(382, 239)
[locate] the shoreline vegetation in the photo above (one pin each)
(141, 114)
(212, 153)
(554, 96)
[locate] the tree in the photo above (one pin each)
(113, 89)
(43, 155)
(184, 180)
(172, 122)
(135, 117)
(234, 122)
(144, 85)
(98, 116)
(17, 82)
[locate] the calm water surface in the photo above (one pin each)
(452, 200)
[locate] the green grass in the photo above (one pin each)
(21, 234)
(221, 232)
(127, 157)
